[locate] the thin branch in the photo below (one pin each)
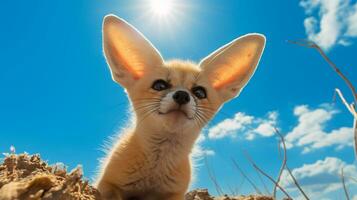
(352, 178)
(297, 183)
(237, 190)
(344, 185)
(348, 106)
(213, 178)
(355, 135)
(351, 108)
(310, 44)
(338, 71)
(282, 165)
(246, 177)
(263, 183)
(303, 43)
(282, 138)
(266, 175)
(234, 191)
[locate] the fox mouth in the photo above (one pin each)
(180, 111)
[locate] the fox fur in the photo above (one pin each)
(172, 101)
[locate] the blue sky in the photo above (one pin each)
(57, 97)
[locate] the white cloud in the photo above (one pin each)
(198, 150)
(247, 125)
(230, 127)
(309, 133)
(266, 127)
(352, 21)
(320, 178)
(330, 22)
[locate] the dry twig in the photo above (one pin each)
(246, 177)
(231, 190)
(282, 165)
(265, 174)
(344, 185)
(237, 190)
(297, 183)
(352, 178)
(350, 107)
(286, 166)
(263, 183)
(213, 178)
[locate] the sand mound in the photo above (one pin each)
(27, 177)
(202, 194)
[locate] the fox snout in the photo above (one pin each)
(181, 97)
(179, 101)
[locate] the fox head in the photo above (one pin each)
(175, 95)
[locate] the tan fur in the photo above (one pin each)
(151, 160)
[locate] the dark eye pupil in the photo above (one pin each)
(160, 85)
(199, 92)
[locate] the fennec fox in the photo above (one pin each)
(172, 101)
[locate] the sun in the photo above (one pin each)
(164, 13)
(162, 8)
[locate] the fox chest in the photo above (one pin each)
(158, 170)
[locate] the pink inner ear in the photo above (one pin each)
(136, 73)
(235, 69)
(232, 74)
(227, 76)
(125, 56)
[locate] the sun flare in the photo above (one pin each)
(164, 13)
(162, 7)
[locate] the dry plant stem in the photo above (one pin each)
(213, 178)
(310, 44)
(232, 192)
(297, 183)
(262, 181)
(240, 186)
(236, 190)
(266, 175)
(246, 177)
(355, 134)
(286, 166)
(354, 179)
(282, 165)
(344, 185)
(351, 107)
(351, 178)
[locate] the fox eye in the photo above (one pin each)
(160, 85)
(199, 92)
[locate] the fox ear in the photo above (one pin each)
(230, 67)
(128, 53)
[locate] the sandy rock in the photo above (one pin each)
(29, 178)
(202, 194)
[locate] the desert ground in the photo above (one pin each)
(27, 177)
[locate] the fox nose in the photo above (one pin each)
(181, 97)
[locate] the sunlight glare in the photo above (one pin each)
(162, 7)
